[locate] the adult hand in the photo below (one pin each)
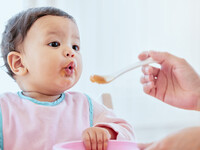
(187, 139)
(175, 83)
(96, 138)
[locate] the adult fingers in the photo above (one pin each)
(147, 70)
(144, 55)
(148, 87)
(146, 78)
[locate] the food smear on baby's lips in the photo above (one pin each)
(67, 72)
(98, 79)
(63, 73)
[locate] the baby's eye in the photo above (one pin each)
(54, 44)
(75, 47)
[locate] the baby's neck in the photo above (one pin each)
(41, 96)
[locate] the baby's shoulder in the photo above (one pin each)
(9, 98)
(75, 95)
(8, 95)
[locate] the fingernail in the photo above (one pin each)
(146, 69)
(147, 53)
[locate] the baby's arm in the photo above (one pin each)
(105, 118)
(106, 126)
(113, 134)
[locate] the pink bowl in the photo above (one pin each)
(112, 145)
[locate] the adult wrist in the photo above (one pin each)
(198, 101)
(198, 98)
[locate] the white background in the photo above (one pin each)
(113, 33)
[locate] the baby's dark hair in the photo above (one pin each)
(18, 26)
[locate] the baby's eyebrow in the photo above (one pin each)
(52, 33)
(76, 37)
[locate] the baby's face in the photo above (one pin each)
(52, 55)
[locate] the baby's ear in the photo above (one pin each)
(16, 64)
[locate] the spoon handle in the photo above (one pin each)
(134, 66)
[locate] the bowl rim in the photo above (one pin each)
(110, 141)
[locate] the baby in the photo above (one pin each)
(41, 50)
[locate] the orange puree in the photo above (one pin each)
(98, 79)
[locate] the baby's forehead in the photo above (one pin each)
(51, 20)
(51, 24)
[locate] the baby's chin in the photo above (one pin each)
(63, 85)
(66, 86)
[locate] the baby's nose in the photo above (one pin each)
(70, 54)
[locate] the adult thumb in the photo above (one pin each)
(161, 57)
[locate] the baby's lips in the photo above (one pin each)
(69, 70)
(71, 65)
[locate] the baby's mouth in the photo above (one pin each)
(69, 70)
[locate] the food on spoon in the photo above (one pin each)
(98, 79)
